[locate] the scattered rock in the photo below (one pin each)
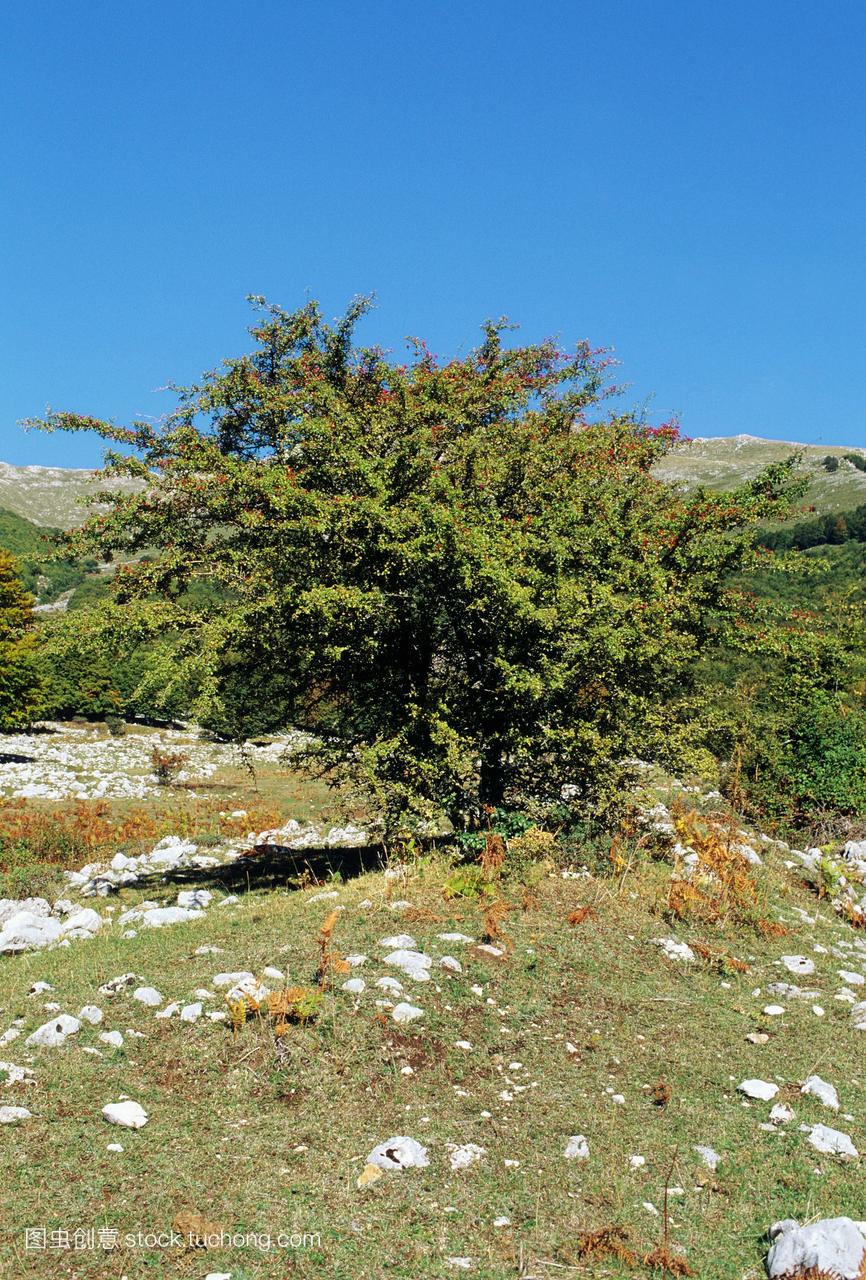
(577, 1148)
(405, 1012)
(823, 1091)
(674, 950)
(119, 983)
(831, 1247)
(399, 1153)
(762, 1090)
(831, 1142)
(14, 1115)
(129, 1115)
(462, 1157)
(400, 941)
(54, 1034)
(148, 996)
(414, 964)
(710, 1157)
(197, 898)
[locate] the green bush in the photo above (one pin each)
(805, 755)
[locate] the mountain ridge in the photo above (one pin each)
(55, 496)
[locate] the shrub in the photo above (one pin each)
(167, 765)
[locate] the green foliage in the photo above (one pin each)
(789, 717)
(830, 875)
(78, 683)
(803, 755)
(503, 822)
(846, 526)
(460, 577)
(530, 857)
(21, 690)
(44, 573)
(468, 882)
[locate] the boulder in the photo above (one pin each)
(832, 1247)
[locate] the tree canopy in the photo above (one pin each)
(461, 577)
(20, 683)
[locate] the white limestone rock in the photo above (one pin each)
(762, 1090)
(120, 983)
(821, 1090)
(831, 1142)
(54, 1034)
(196, 898)
(710, 1158)
(14, 1115)
(397, 1154)
(832, 1246)
(148, 996)
(461, 1157)
(414, 964)
(405, 1012)
(674, 950)
(577, 1148)
(129, 1115)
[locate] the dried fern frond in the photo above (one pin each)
(592, 1246)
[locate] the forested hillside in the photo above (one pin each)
(45, 575)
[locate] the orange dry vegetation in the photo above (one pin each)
(722, 887)
(83, 830)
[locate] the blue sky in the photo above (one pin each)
(684, 182)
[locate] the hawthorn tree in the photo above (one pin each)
(461, 577)
(20, 683)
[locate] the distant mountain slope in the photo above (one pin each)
(51, 496)
(48, 496)
(727, 461)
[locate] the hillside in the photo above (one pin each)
(47, 579)
(49, 496)
(511, 1090)
(53, 496)
(726, 461)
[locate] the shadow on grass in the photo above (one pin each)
(276, 867)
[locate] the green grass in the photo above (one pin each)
(265, 1139)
